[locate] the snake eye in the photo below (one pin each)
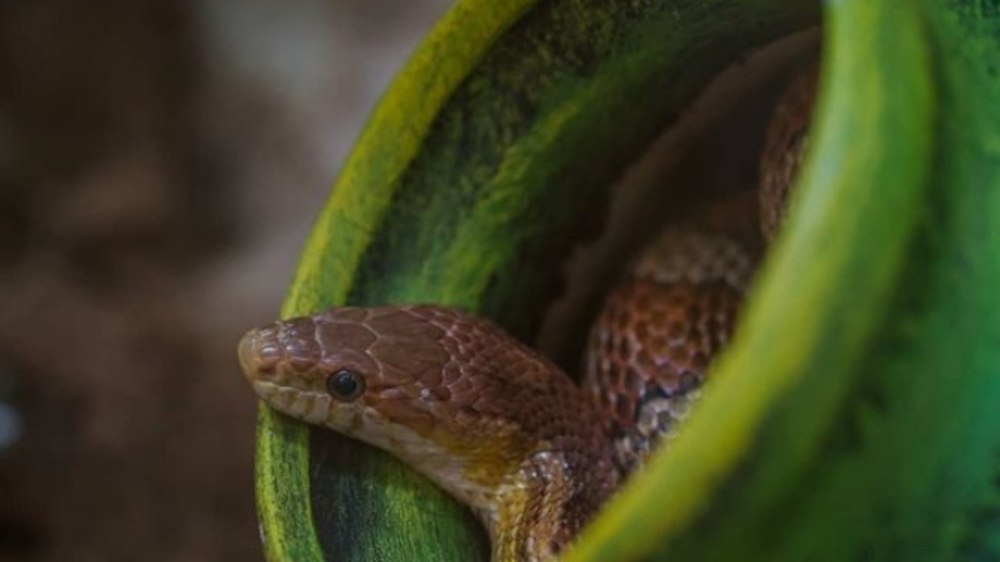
(345, 385)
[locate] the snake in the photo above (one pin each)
(498, 425)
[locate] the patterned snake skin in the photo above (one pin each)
(495, 423)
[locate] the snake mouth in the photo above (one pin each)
(312, 407)
(246, 351)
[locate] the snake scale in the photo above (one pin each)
(495, 423)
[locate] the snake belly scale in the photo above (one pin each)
(496, 424)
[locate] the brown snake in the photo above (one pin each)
(495, 423)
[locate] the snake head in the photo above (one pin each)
(350, 368)
(448, 392)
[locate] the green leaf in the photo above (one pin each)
(855, 415)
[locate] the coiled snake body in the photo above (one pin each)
(498, 425)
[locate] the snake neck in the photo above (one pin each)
(546, 503)
(533, 508)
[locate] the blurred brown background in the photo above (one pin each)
(160, 164)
